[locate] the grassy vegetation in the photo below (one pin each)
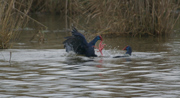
(57, 6)
(132, 17)
(129, 17)
(12, 19)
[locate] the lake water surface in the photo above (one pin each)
(45, 70)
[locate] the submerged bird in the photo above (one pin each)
(78, 44)
(127, 54)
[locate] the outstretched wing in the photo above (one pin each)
(79, 36)
(76, 43)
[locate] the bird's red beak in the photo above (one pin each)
(101, 38)
(124, 48)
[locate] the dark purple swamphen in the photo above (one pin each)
(127, 54)
(78, 44)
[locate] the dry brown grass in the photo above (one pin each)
(12, 19)
(56, 6)
(132, 17)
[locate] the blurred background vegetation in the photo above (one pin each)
(105, 17)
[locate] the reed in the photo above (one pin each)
(12, 19)
(56, 6)
(132, 17)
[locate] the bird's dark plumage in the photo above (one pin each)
(79, 45)
(127, 54)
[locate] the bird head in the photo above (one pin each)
(128, 50)
(100, 38)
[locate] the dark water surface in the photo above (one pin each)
(45, 70)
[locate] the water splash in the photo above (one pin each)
(100, 48)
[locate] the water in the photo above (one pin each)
(46, 70)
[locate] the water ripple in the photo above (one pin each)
(53, 73)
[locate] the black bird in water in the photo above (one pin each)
(127, 54)
(78, 44)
